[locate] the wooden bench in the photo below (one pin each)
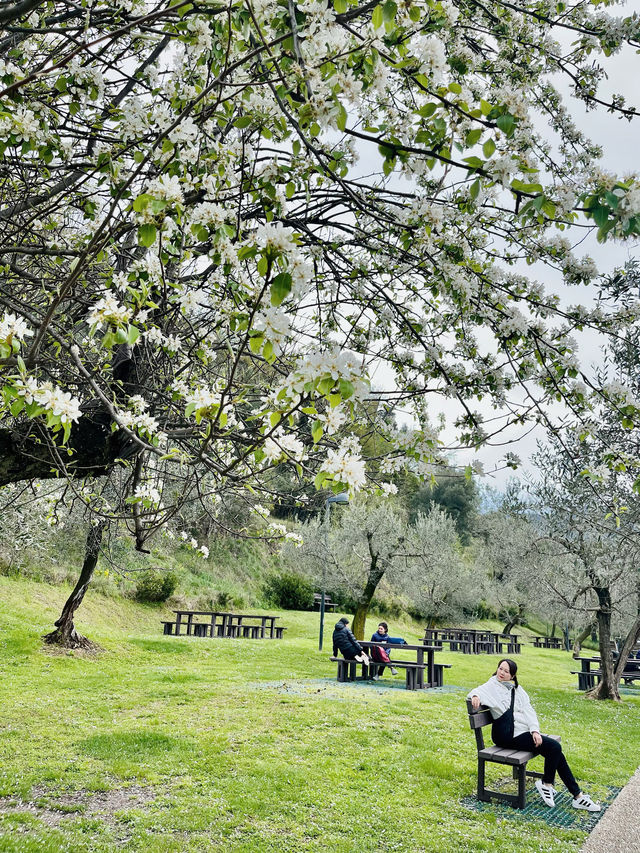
(587, 680)
(317, 601)
(515, 758)
(347, 670)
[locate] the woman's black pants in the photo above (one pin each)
(554, 760)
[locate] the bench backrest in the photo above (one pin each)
(477, 720)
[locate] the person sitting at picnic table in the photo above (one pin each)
(344, 640)
(382, 656)
(496, 694)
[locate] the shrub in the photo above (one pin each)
(288, 591)
(224, 599)
(156, 586)
(344, 601)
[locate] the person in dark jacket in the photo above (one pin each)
(344, 640)
(381, 636)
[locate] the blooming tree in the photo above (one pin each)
(218, 218)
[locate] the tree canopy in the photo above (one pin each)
(218, 218)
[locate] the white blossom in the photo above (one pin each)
(14, 327)
(108, 311)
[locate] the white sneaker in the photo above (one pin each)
(584, 801)
(546, 792)
(375, 677)
(394, 671)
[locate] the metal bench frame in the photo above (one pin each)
(516, 758)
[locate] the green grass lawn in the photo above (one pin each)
(171, 744)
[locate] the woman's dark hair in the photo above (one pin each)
(384, 625)
(513, 668)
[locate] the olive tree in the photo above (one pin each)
(355, 552)
(435, 575)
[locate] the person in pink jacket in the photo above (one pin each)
(495, 694)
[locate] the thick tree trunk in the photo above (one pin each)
(376, 573)
(26, 453)
(608, 686)
(65, 634)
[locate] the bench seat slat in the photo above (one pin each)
(505, 756)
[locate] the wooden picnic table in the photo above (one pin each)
(472, 641)
(548, 642)
(415, 670)
(587, 676)
(224, 624)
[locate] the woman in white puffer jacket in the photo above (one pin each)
(495, 694)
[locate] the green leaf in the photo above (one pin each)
(268, 352)
(389, 11)
(243, 121)
(523, 187)
(255, 344)
(17, 406)
(280, 288)
(600, 215)
(274, 418)
(377, 18)
(316, 431)
(146, 235)
(488, 148)
(341, 119)
(427, 110)
(325, 385)
(340, 6)
(141, 202)
(320, 480)
(133, 333)
(263, 265)
(507, 123)
(473, 136)
(474, 189)
(346, 389)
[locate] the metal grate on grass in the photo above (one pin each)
(563, 815)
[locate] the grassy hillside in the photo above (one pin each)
(171, 744)
(235, 568)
